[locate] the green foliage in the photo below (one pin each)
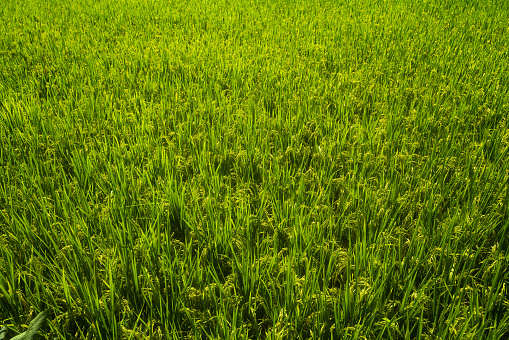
(34, 326)
(255, 169)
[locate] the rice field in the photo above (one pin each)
(254, 169)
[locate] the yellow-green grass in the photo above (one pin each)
(255, 169)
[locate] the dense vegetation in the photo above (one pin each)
(255, 169)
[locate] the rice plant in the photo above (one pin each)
(254, 169)
(34, 326)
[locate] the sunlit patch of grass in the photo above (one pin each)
(255, 169)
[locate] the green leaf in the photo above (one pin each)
(3, 332)
(34, 326)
